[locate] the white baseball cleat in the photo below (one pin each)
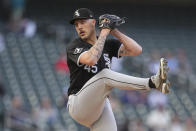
(160, 79)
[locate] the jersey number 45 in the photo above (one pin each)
(92, 69)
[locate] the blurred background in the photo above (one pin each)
(34, 76)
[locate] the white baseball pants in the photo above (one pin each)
(91, 107)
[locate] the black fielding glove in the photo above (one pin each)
(110, 21)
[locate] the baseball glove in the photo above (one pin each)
(110, 21)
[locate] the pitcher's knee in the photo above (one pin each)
(105, 72)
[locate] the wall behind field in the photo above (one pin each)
(121, 1)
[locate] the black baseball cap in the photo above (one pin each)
(82, 13)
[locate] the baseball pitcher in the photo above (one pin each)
(91, 80)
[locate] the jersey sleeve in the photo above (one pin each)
(74, 54)
(112, 46)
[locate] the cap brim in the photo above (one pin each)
(72, 21)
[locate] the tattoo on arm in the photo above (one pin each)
(97, 48)
(123, 52)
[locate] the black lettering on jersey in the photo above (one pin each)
(107, 59)
(77, 51)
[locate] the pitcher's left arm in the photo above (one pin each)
(129, 46)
